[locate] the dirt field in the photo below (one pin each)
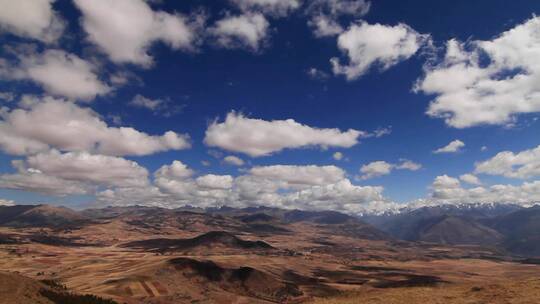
(306, 264)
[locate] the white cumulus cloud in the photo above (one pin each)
(58, 73)
(524, 164)
(54, 123)
(125, 29)
(486, 81)
(35, 181)
(233, 160)
(453, 147)
(176, 170)
(88, 168)
(31, 19)
(375, 169)
(272, 7)
(368, 45)
(356, 8)
(299, 175)
(161, 106)
(324, 26)
(212, 181)
(325, 14)
(257, 137)
(470, 179)
(248, 30)
(408, 165)
(285, 186)
(380, 168)
(448, 190)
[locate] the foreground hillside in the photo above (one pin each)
(138, 255)
(17, 289)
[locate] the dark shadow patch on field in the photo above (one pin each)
(380, 277)
(411, 280)
(207, 269)
(59, 241)
(6, 239)
(242, 280)
(531, 261)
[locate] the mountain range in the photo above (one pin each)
(507, 227)
(138, 254)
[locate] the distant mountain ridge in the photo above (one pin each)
(509, 227)
(522, 229)
(454, 230)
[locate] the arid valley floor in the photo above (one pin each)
(150, 255)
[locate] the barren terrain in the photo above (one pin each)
(162, 256)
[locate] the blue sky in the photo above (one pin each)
(216, 70)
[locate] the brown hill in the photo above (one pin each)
(330, 221)
(39, 216)
(17, 289)
(243, 280)
(259, 221)
(211, 240)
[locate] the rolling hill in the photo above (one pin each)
(210, 240)
(39, 216)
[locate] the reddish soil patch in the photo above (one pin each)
(160, 288)
(147, 288)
